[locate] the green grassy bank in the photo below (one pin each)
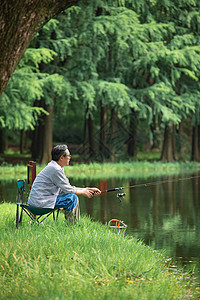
(135, 169)
(59, 261)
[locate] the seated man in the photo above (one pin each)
(52, 180)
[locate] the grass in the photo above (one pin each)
(59, 261)
(142, 169)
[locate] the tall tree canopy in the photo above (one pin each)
(138, 55)
(19, 22)
(135, 57)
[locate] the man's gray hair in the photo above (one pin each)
(58, 151)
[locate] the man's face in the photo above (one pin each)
(66, 158)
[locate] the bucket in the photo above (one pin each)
(117, 225)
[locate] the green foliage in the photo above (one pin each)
(25, 86)
(132, 55)
(34, 57)
(141, 55)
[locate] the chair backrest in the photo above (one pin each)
(20, 184)
(21, 189)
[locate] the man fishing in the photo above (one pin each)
(51, 181)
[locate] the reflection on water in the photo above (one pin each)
(166, 216)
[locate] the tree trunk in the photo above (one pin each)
(37, 135)
(2, 140)
(132, 134)
(181, 142)
(47, 137)
(167, 150)
(199, 138)
(174, 131)
(195, 149)
(113, 130)
(21, 145)
(19, 22)
(92, 144)
(103, 126)
(154, 128)
(85, 134)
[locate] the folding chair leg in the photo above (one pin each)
(37, 219)
(17, 216)
(32, 216)
(20, 220)
(58, 210)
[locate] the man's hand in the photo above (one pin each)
(88, 192)
(95, 191)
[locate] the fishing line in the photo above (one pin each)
(148, 184)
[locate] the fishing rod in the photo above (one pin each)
(121, 195)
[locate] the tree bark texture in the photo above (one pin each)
(199, 138)
(181, 142)
(92, 143)
(19, 22)
(195, 149)
(38, 134)
(132, 134)
(167, 150)
(113, 130)
(103, 127)
(174, 131)
(85, 134)
(154, 129)
(47, 137)
(42, 136)
(2, 140)
(36, 145)
(22, 141)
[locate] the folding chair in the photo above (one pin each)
(34, 213)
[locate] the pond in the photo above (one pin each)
(165, 216)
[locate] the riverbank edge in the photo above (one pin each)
(137, 169)
(85, 261)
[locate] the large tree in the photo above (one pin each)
(19, 22)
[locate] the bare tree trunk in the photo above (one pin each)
(2, 140)
(195, 149)
(37, 135)
(167, 150)
(132, 134)
(154, 129)
(113, 130)
(92, 144)
(103, 124)
(48, 137)
(181, 142)
(85, 134)
(174, 142)
(19, 22)
(36, 145)
(199, 138)
(21, 145)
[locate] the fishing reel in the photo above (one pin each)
(121, 196)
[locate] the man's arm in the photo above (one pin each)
(59, 179)
(87, 192)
